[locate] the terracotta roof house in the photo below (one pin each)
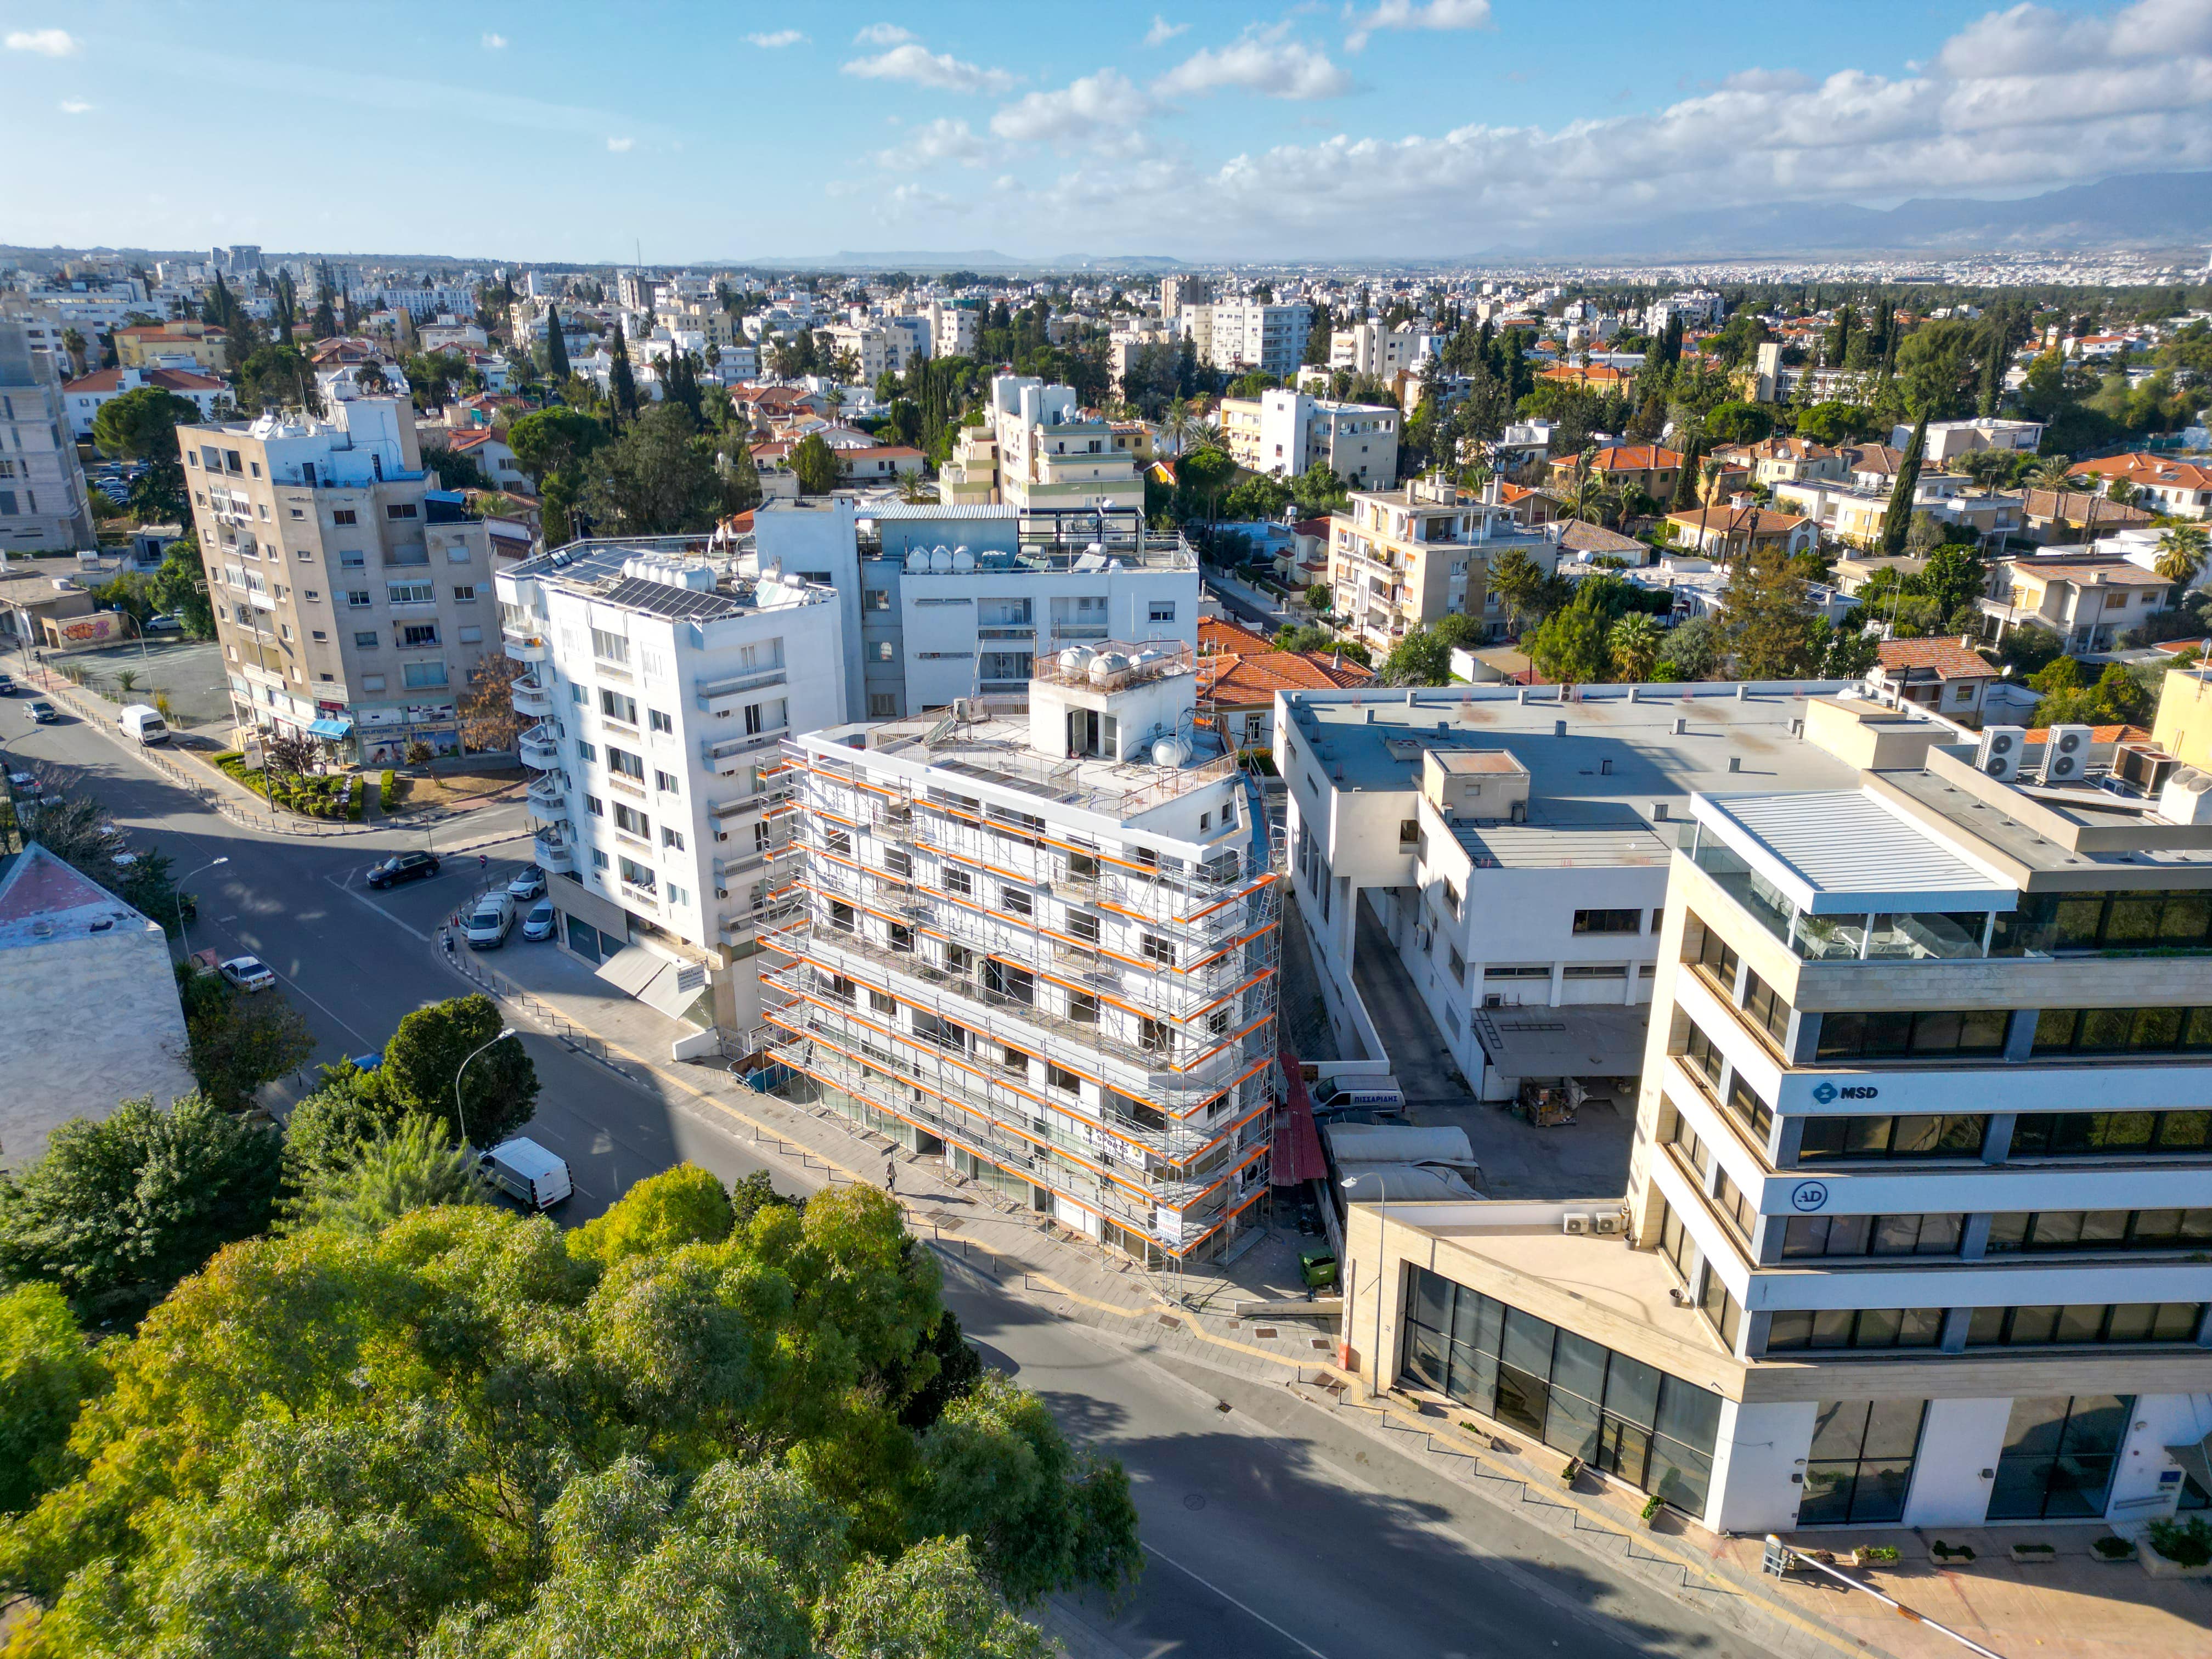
(2181, 488)
(2056, 516)
(1647, 467)
(1790, 460)
(1603, 376)
(1947, 676)
(1217, 634)
(82, 397)
(1239, 690)
(1720, 530)
(1594, 541)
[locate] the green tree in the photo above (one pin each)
(1770, 630)
(120, 1208)
(1695, 649)
(1571, 646)
(178, 586)
(815, 465)
(499, 1092)
(456, 471)
(1845, 652)
(1897, 522)
(1954, 576)
(1517, 580)
(658, 479)
(237, 1042)
(1739, 423)
(47, 1371)
(275, 377)
(556, 347)
(622, 380)
(1419, 659)
(659, 1216)
(412, 1167)
(1202, 476)
(1633, 642)
(326, 1130)
(141, 426)
(1459, 630)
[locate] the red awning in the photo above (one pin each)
(1298, 1157)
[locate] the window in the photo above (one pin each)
(1160, 611)
(2055, 1327)
(2105, 921)
(1409, 832)
(616, 705)
(1757, 1116)
(1016, 901)
(313, 593)
(400, 510)
(622, 761)
(1930, 1032)
(610, 647)
(1083, 1006)
(1617, 1413)
(667, 783)
(371, 681)
(345, 515)
(367, 640)
(1674, 1241)
(1767, 1010)
(595, 807)
(639, 875)
(357, 598)
(1608, 922)
(1790, 1331)
(679, 894)
(659, 721)
(1155, 948)
(1852, 1140)
(2101, 1230)
(1060, 1079)
(875, 598)
(1082, 924)
(1722, 1309)
(2122, 1030)
(2112, 1134)
(472, 635)
(417, 636)
(1458, 966)
(1871, 1235)
(598, 859)
(1861, 1466)
(1732, 1203)
(883, 705)
(586, 750)
(319, 635)
(420, 675)
(629, 818)
(897, 863)
(2058, 1457)
(458, 552)
(466, 595)
(411, 592)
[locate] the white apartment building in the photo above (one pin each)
(352, 601)
(1040, 940)
(1948, 440)
(877, 350)
(1244, 334)
(1699, 307)
(662, 684)
(1921, 1191)
(1287, 433)
(952, 329)
(1371, 348)
(1049, 455)
(43, 507)
(84, 396)
(1510, 848)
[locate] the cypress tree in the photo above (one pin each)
(622, 384)
(556, 347)
(1898, 519)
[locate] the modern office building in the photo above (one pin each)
(662, 682)
(352, 601)
(1039, 939)
(43, 507)
(1400, 559)
(1916, 1230)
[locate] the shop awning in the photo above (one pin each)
(1296, 1157)
(337, 728)
(2195, 1458)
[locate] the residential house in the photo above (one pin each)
(173, 344)
(1237, 688)
(2088, 601)
(2183, 489)
(1945, 677)
(1648, 468)
(2055, 517)
(1789, 460)
(1723, 531)
(86, 394)
(1947, 441)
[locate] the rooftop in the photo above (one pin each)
(1950, 660)
(1848, 852)
(43, 900)
(673, 577)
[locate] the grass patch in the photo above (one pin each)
(392, 791)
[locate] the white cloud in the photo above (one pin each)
(882, 35)
(1102, 110)
(622, 146)
(495, 42)
(2016, 102)
(1760, 80)
(47, 43)
(1162, 31)
(75, 107)
(925, 68)
(1405, 14)
(779, 39)
(940, 141)
(1263, 61)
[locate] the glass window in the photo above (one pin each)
(1768, 1010)
(1830, 1140)
(1861, 1466)
(2110, 1134)
(1861, 1328)
(2058, 1457)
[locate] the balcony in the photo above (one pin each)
(708, 693)
(531, 698)
(551, 791)
(723, 755)
(525, 647)
(555, 853)
(540, 748)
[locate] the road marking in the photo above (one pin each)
(375, 909)
(1234, 1602)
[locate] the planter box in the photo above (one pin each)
(2128, 1554)
(2034, 1555)
(1951, 1558)
(2159, 1567)
(1866, 1563)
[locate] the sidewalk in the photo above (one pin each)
(2076, 1607)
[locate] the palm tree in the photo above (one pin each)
(2181, 553)
(1634, 641)
(73, 343)
(916, 489)
(1181, 428)
(1588, 497)
(2054, 473)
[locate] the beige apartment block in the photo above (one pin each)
(1401, 559)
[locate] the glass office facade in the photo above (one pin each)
(1578, 1396)
(2058, 1457)
(1861, 1466)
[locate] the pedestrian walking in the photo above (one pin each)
(891, 1172)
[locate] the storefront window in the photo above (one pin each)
(2058, 1457)
(1578, 1396)
(1861, 1466)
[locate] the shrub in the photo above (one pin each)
(1953, 1551)
(1883, 1554)
(2188, 1544)
(2113, 1547)
(1652, 1506)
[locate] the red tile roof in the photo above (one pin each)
(171, 379)
(1952, 660)
(1232, 681)
(1635, 458)
(1217, 634)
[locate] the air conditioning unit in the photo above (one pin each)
(722, 892)
(1575, 1224)
(721, 835)
(2066, 754)
(1999, 755)
(1609, 1221)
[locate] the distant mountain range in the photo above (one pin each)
(2132, 211)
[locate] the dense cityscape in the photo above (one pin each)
(1244, 941)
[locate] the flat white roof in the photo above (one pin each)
(1844, 851)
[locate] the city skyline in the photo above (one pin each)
(1445, 128)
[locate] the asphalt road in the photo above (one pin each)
(1270, 1530)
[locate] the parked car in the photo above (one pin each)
(162, 622)
(526, 1171)
(6, 685)
(248, 974)
(539, 924)
(369, 1063)
(487, 927)
(403, 866)
(528, 884)
(22, 784)
(143, 722)
(41, 712)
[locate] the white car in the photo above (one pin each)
(487, 924)
(539, 924)
(248, 974)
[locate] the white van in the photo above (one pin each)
(144, 723)
(527, 1173)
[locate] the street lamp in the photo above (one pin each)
(184, 938)
(1381, 1241)
(505, 1033)
(144, 655)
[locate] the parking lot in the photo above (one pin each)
(423, 905)
(189, 672)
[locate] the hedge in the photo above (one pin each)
(319, 795)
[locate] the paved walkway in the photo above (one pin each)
(2078, 1608)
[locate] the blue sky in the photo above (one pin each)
(567, 131)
